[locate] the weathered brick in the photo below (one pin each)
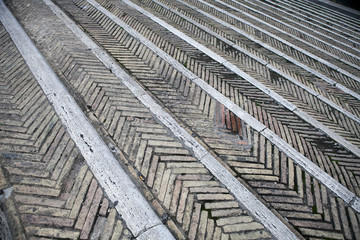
(45, 220)
(52, 232)
(91, 214)
(86, 204)
(104, 207)
(109, 225)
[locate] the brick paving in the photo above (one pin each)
(53, 192)
(48, 191)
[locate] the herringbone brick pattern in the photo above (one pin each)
(54, 193)
(284, 123)
(274, 81)
(308, 205)
(313, 36)
(247, 62)
(56, 196)
(183, 192)
(333, 119)
(331, 72)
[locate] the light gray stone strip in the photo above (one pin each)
(132, 206)
(157, 232)
(325, 62)
(278, 52)
(245, 197)
(298, 158)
